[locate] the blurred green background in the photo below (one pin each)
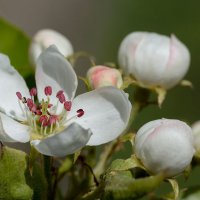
(99, 26)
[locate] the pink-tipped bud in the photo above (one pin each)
(48, 90)
(67, 105)
(80, 112)
(19, 95)
(61, 98)
(33, 91)
(101, 76)
(44, 120)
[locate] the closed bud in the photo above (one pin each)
(154, 59)
(165, 145)
(196, 134)
(45, 38)
(101, 76)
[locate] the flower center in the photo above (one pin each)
(41, 116)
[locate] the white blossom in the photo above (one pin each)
(58, 124)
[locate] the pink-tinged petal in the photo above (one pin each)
(10, 83)
(106, 113)
(55, 71)
(178, 63)
(71, 139)
(13, 131)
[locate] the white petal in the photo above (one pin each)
(13, 131)
(73, 138)
(107, 112)
(55, 71)
(178, 63)
(151, 58)
(10, 83)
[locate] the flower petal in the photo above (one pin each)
(10, 83)
(13, 131)
(107, 112)
(55, 71)
(73, 138)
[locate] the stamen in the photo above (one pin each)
(61, 98)
(30, 103)
(67, 105)
(59, 93)
(33, 91)
(38, 112)
(48, 90)
(44, 120)
(80, 112)
(53, 119)
(24, 100)
(19, 95)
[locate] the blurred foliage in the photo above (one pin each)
(15, 44)
(13, 167)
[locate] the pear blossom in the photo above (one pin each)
(46, 37)
(101, 76)
(165, 145)
(154, 59)
(58, 124)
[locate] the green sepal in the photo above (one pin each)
(13, 183)
(175, 188)
(65, 166)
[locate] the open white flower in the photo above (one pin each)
(58, 124)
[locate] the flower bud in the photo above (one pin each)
(196, 134)
(165, 145)
(101, 76)
(46, 37)
(154, 59)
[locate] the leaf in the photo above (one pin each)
(122, 165)
(121, 186)
(66, 166)
(15, 44)
(175, 188)
(13, 167)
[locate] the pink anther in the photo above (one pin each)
(48, 90)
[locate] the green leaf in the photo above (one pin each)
(65, 167)
(13, 167)
(15, 44)
(122, 165)
(121, 186)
